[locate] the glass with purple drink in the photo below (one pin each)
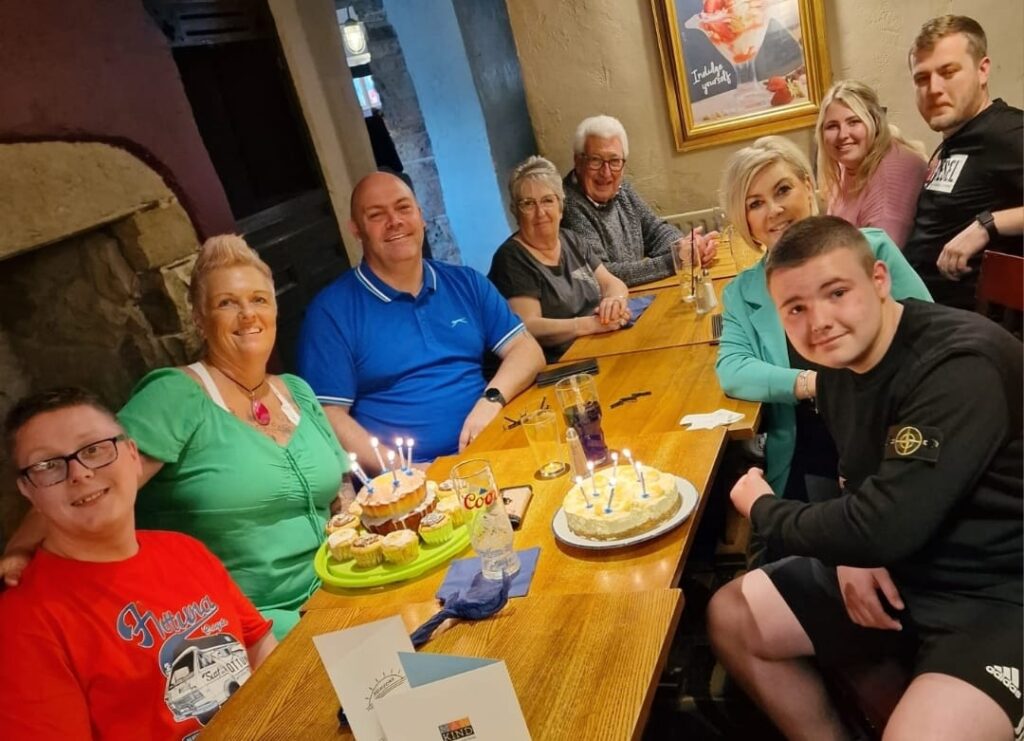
(581, 409)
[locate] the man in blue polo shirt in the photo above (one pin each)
(395, 346)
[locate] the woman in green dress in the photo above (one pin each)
(242, 460)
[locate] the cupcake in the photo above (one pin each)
(436, 528)
(366, 550)
(339, 543)
(401, 546)
(341, 521)
(453, 508)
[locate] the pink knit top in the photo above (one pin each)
(889, 199)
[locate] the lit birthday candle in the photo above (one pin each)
(579, 483)
(391, 467)
(375, 444)
(358, 471)
(408, 453)
(611, 496)
(615, 468)
(629, 456)
(399, 442)
(593, 483)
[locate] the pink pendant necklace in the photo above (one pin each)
(259, 410)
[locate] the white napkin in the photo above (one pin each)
(720, 417)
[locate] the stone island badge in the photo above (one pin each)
(908, 441)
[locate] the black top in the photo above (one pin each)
(565, 290)
(930, 444)
(979, 168)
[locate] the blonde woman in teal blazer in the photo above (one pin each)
(767, 187)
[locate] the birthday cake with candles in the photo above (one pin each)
(620, 502)
(395, 500)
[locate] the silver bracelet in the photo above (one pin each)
(801, 383)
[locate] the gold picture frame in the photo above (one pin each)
(739, 69)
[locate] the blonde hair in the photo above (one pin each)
(939, 28)
(221, 251)
(534, 168)
(863, 102)
(745, 164)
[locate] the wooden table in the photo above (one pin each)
(564, 569)
(668, 322)
(723, 266)
(583, 666)
(681, 380)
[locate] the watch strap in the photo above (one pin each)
(988, 221)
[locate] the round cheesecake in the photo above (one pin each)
(631, 513)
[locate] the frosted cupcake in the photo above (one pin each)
(436, 528)
(339, 543)
(367, 550)
(342, 521)
(453, 508)
(401, 547)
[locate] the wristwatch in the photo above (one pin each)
(492, 394)
(986, 219)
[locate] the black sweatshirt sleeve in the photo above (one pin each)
(895, 512)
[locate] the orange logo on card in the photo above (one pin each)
(456, 730)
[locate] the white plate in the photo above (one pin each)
(686, 491)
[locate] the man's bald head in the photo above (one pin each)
(387, 221)
(369, 182)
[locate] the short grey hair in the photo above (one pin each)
(604, 127)
(745, 164)
(534, 168)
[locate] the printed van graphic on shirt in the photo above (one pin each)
(946, 173)
(202, 666)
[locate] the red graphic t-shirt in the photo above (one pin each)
(149, 647)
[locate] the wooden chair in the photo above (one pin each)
(685, 222)
(1001, 283)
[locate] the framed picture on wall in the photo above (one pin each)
(738, 69)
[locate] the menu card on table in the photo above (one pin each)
(390, 692)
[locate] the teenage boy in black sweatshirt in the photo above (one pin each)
(923, 551)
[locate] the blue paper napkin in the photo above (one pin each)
(460, 574)
(637, 306)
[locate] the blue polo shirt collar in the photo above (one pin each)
(385, 293)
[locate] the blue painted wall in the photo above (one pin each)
(435, 55)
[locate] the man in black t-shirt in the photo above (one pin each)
(921, 556)
(974, 190)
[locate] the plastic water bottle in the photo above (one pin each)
(490, 531)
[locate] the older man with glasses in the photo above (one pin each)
(609, 216)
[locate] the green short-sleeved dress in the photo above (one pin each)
(259, 506)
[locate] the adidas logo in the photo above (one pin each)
(1008, 676)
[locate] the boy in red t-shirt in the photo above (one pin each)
(112, 633)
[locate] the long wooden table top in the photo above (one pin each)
(583, 666)
(668, 322)
(564, 569)
(681, 380)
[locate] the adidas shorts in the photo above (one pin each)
(978, 641)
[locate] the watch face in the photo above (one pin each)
(493, 394)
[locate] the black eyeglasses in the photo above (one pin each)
(615, 164)
(53, 471)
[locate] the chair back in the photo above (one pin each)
(689, 220)
(1001, 281)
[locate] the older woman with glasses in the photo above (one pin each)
(556, 285)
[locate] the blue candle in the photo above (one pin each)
(611, 496)
(579, 483)
(593, 483)
(408, 455)
(391, 467)
(399, 442)
(643, 483)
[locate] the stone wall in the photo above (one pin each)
(102, 306)
(405, 122)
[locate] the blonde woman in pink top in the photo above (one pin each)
(869, 174)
